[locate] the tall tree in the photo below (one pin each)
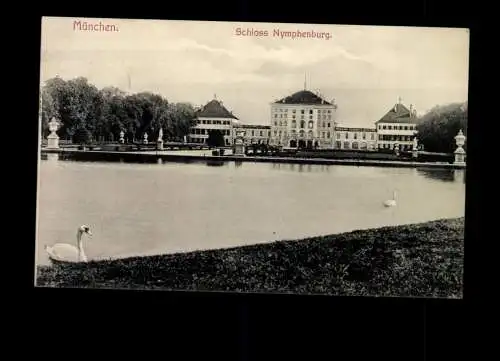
(182, 120)
(49, 110)
(88, 113)
(437, 129)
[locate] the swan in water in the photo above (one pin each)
(391, 202)
(63, 252)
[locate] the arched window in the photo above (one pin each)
(347, 145)
(302, 124)
(310, 124)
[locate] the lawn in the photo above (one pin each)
(423, 260)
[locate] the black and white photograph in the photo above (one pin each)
(270, 158)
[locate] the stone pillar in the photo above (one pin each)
(460, 151)
(239, 144)
(145, 141)
(122, 137)
(159, 142)
(415, 148)
(53, 138)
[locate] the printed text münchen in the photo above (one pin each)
(93, 26)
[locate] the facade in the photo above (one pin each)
(397, 127)
(306, 120)
(212, 116)
(253, 134)
(303, 120)
(355, 138)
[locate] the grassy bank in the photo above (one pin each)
(423, 259)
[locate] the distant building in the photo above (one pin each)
(212, 116)
(303, 120)
(397, 127)
(355, 138)
(253, 134)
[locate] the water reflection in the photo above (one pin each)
(52, 157)
(446, 175)
(215, 163)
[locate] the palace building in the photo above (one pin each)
(397, 127)
(355, 138)
(212, 116)
(304, 120)
(253, 134)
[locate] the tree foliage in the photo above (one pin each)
(437, 128)
(89, 114)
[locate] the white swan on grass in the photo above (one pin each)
(391, 202)
(67, 253)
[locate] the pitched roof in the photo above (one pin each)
(398, 114)
(303, 97)
(214, 109)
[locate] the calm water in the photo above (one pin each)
(138, 209)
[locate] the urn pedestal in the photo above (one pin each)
(53, 141)
(460, 151)
(53, 138)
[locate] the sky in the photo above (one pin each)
(364, 68)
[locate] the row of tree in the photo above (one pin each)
(438, 127)
(87, 113)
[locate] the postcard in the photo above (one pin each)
(252, 157)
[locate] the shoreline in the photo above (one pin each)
(153, 156)
(415, 260)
